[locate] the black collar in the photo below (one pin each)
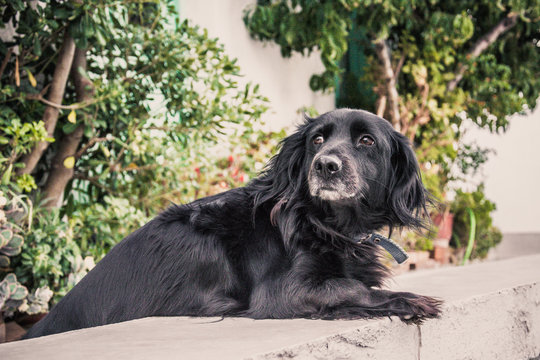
(393, 248)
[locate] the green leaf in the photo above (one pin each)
(7, 175)
(16, 241)
(10, 251)
(10, 278)
(5, 236)
(18, 5)
(31, 78)
(4, 261)
(62, 13)
(20, 293)
(37, 46)
(88, 131)
(69, 127)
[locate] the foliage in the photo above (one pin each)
(443, 70)
(38, 301)
(429, 44)
(487, 235)
(14, 215)
(246, 158)
(159, 95)
(432, 37)
(100, 226)
(14, 297)
(11, 245)
(290, 24)
(50, 255)
(12, 294)
(414, 241)
(14, 211)
(16, 139)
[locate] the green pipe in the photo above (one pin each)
(472, 235)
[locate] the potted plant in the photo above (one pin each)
(441, 244)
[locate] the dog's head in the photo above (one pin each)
(352, 159)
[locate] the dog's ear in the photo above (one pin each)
(407, 195)
(287, 167)
(284, 174)
(282, 184)
(307, 118)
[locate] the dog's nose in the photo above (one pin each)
(327, 165)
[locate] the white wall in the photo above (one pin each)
(284, 81)
(512, 175)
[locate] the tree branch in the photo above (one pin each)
(381, 105)
(5, 61)
(383, 53)
(75, 106)
(482, 44)
(89, 144)
(398, 67)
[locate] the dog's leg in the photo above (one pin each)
(338, 299)
(409, 307)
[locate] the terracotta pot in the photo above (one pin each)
(441, 251)
(444, 222)
(27, 321)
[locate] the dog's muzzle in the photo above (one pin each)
(327, 165)
(330, 179)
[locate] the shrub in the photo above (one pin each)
(141, 110)
(487, 235)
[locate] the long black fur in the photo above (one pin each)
(272, 249)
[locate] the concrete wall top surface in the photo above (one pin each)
(499, 298)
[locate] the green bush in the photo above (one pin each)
(158, 95)
(487, 235)
(50, 256)
(100, 226)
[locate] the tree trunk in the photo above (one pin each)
(60, 175)
(56, 93)
(392, 96)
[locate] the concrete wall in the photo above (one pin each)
(491, 311)
(284, 81)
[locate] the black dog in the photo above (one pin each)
(281, 247)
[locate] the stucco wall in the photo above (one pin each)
(512, 174)
(284, 81)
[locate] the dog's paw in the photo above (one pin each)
(419, 308)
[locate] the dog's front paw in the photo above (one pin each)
(417, 308)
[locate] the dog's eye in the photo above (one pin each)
(366, 140)
(318, 140)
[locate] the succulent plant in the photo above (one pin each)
(38, 302)
(10, 245)
(12, 294)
